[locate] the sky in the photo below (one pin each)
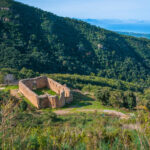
(96, 9)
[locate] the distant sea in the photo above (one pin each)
(127, 27)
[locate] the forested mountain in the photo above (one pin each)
(44, 42)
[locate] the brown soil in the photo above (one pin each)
(108, 112)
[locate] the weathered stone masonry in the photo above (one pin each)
(27, 86)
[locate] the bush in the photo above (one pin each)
(116, 98)
(129, 100)
(23, 73)
(148, 105)
(1, 78)
(4, 97)
(27, 73)
(23, 105)
(103, 95)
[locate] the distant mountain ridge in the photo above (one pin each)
(122, 26)
(140, 35)
(44, 42)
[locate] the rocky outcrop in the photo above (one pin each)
(4, 8)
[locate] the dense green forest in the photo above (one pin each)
(44, 42)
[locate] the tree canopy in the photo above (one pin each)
(44, 42)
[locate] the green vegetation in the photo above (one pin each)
(10, 87)
(44, 91)
(114, 74)
(82, 102)
(90, 83)
(52, 44)
(23, 73)
(23, 105)
(30, 105)
(44, 130)
(110, 92)
(116, 98)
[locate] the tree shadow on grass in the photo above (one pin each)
(80, 100)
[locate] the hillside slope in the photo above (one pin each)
(44, 42)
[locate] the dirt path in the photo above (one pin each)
(2, 88)
(112, 113)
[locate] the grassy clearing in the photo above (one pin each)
(81, 102)
(44, 91)
(10, 87)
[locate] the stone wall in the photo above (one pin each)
(43, 101)
(29, 94)
(36, 83)
(58, 88)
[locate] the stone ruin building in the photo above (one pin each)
(27, 86)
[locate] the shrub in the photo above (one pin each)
(1, 78)
(4, 97)
(116, 98)
(148, 105)
(23, 105)
(27, 73)
(129, 100)
(103, 95)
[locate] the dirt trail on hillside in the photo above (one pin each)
(112, 113)
(2, 88)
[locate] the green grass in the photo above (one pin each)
(85, 102)
(81, 102)
(11, 87)
(44, 91)
(28, 102)
(41, 128)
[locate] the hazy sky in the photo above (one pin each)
(96, 9)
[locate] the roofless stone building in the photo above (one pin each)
(27, 87)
